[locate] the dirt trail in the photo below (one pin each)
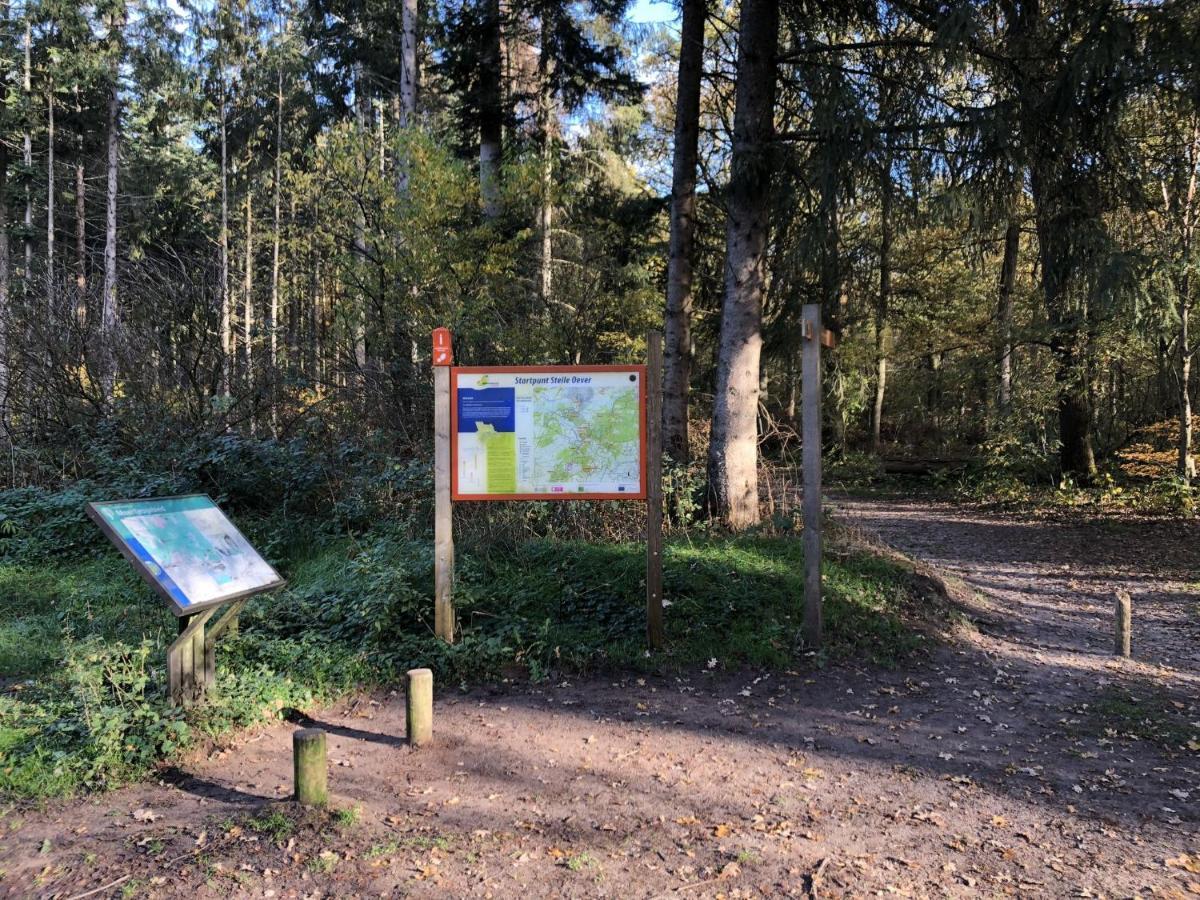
(1020, 759)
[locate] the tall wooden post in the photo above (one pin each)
(654, 500)
(810, 371)
(443, 534)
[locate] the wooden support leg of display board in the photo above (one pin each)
(654, 501)
(228, 624)
(810, 414)
(185, 659)
(443, 535)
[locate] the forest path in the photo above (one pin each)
(1018, 758)
(1047, 586)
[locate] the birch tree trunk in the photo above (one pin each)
(1187, 463)
(110, 321)
(733, 451)
(1008, 274)
(677, 324)
(545, 113)
(81, 285)
(248, 294)
(50, 198)
(491, 116)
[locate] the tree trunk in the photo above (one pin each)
(1187, 463)
(883, 304)
(27, 277)
(226, 324)
(491, 116)
(5, 310)
(110, 321)
(677, 323)
(733, 451)
(248, 294)
(359, 325)
(546, 132)
(408, 85)
(81, 285)
(1056, 230)
(276, 234)
(50, 198)
(1008, 274)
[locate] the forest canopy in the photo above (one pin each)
(244, 218)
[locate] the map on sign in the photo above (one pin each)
(186, 548)
(548, 433)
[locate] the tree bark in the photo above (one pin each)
(491, 116)
(883, 304)
(110, 321)
(248, 293)
(408, 84)
(81, 285)
(546, 133)
(225, 324)
(50, 197)
(1008, 274)
(1187, 463)
(733, 450)
(27, 276)
(677, 323)
(1056, 227)
(276, 236)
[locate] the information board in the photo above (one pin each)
(187, 549)
(548, 432)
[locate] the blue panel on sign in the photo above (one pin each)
(488, 406)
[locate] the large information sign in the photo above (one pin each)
(548, 432)
(187, 550)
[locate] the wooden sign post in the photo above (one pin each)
(476, 415)
(810, 372)
(443, 510)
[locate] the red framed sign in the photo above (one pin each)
(548, 433)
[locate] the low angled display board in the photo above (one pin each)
(187, 549)
(548, 432)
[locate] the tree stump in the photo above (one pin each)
(308, 753)
(419, 702)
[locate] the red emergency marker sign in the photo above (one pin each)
(443, 354)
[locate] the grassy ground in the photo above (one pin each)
(82, 639)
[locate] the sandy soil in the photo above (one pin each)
(992, 766)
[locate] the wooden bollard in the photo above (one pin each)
(1124, 623)
(308, 753)
(420, 706)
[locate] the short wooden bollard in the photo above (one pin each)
(308, 753)
(1124, 623)
(420, 706)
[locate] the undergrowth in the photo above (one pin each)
(539, 591)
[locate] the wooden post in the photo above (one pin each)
(1124, 623)
(810, 371)
(310, 766)
(419, 707)
(654, 499)
(185, 659)
(229, 624)
(443, 534)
